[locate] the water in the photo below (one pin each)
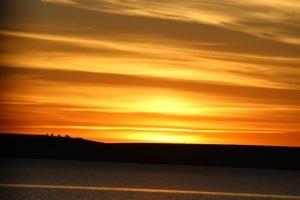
(131, 175)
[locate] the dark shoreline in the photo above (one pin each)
(66, 148)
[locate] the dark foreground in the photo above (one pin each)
(66, 148)
(29, 179)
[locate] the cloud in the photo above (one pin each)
(67, 2)
(254, 17)
(229, 68)
(46, 18)
(73, 77)
(153, 58)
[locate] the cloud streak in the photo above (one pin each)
(266, 19)
(152, 58)
(98, 79)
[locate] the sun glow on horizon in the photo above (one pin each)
(151, 137)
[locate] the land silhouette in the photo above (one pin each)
(68, 148)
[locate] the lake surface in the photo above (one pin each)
(92, 177)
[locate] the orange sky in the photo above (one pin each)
(197, 71)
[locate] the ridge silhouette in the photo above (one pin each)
(68, 148)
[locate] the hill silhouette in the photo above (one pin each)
(67, 148)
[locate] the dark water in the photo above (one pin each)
(130, 175)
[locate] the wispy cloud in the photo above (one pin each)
(266, 19)
(138, 70)
(68, 2)
(151, 58)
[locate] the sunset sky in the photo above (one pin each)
(197, 71)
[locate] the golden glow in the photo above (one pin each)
(164, 104)
(164, 138)
(152, 71)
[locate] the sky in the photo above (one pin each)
(197, 71)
